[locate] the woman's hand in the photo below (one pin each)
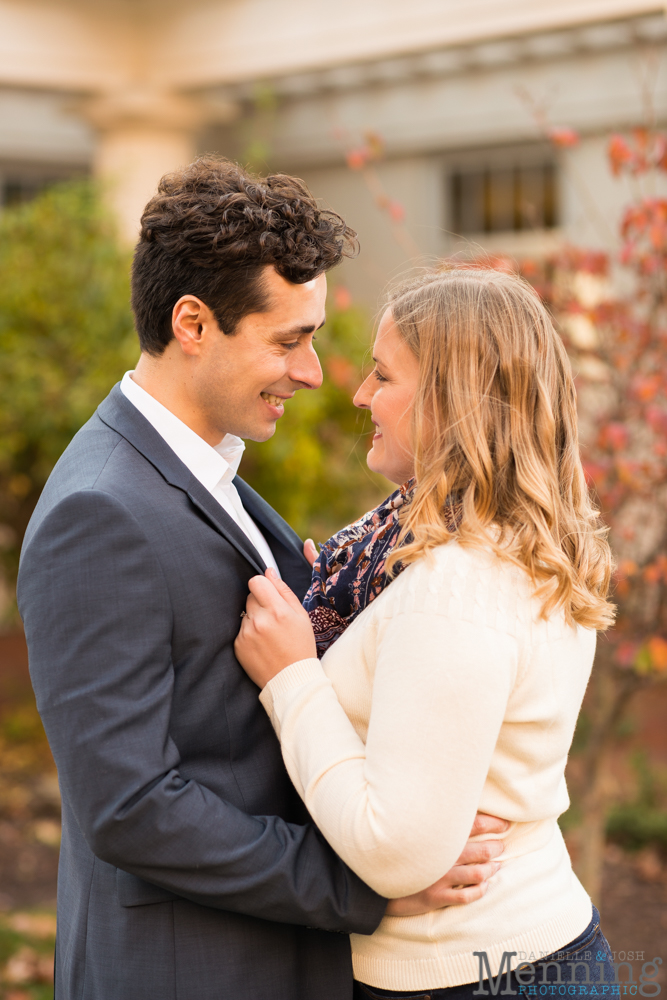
(275, 630)
(310, 551)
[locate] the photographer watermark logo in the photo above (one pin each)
(588, 976)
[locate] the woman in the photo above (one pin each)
(457, 686)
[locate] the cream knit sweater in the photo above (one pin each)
(448, 694)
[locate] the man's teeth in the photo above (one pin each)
(271, 399)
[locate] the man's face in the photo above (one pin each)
(242, 381)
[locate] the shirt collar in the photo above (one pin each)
(212, 466)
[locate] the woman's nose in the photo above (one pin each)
(364, 395)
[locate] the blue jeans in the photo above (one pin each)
(571, 971)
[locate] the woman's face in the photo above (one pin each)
(389, 393)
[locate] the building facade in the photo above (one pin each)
(425, 125)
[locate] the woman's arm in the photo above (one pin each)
(399, 809)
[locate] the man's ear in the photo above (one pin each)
(191, 320)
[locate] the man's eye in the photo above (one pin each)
(291, 345)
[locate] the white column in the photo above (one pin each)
(142, 134)
(130, 161)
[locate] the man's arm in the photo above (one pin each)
(98, 622)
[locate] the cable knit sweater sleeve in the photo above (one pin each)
(398, 809)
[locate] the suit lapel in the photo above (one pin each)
(226, 525)
(283, 541)
(118, 413)
(264, 514)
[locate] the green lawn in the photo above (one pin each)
(27, 938)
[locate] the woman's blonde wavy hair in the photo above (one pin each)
(495, 427)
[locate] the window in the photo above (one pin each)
(20, 182)
(17, 190)
(504, 199)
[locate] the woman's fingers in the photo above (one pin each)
(251, 604)
(285, 592)
(272, 594)
(264, 592)
(275, 631)
(310, 551)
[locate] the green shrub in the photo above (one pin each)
(66, 336)
(634, 826)
(641, 822)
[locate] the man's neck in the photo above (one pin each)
(162, 378)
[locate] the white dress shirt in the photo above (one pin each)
(214, 467)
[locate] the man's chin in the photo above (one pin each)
(260, 434)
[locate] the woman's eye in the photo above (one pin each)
(378, 376)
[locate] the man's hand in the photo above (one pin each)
(467, 880)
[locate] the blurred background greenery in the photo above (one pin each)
(66, 334)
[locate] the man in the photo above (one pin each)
(189, 868)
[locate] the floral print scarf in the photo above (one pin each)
(349, 572)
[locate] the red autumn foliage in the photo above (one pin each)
(646, 150)
(371, 150)
(342, 298)
(364, 159)
(564, 137)
(357, 158)
(618, 346)
(644, 231)
(342, 372)
(612, 312)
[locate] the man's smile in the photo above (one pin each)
(272, 399)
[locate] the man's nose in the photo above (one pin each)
(307, 369)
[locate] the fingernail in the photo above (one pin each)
(271, 573)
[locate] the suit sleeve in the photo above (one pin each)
(98, 621)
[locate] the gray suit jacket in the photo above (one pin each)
(189, 869)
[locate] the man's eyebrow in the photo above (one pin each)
(298, 330)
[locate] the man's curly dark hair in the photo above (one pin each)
(210, 231)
